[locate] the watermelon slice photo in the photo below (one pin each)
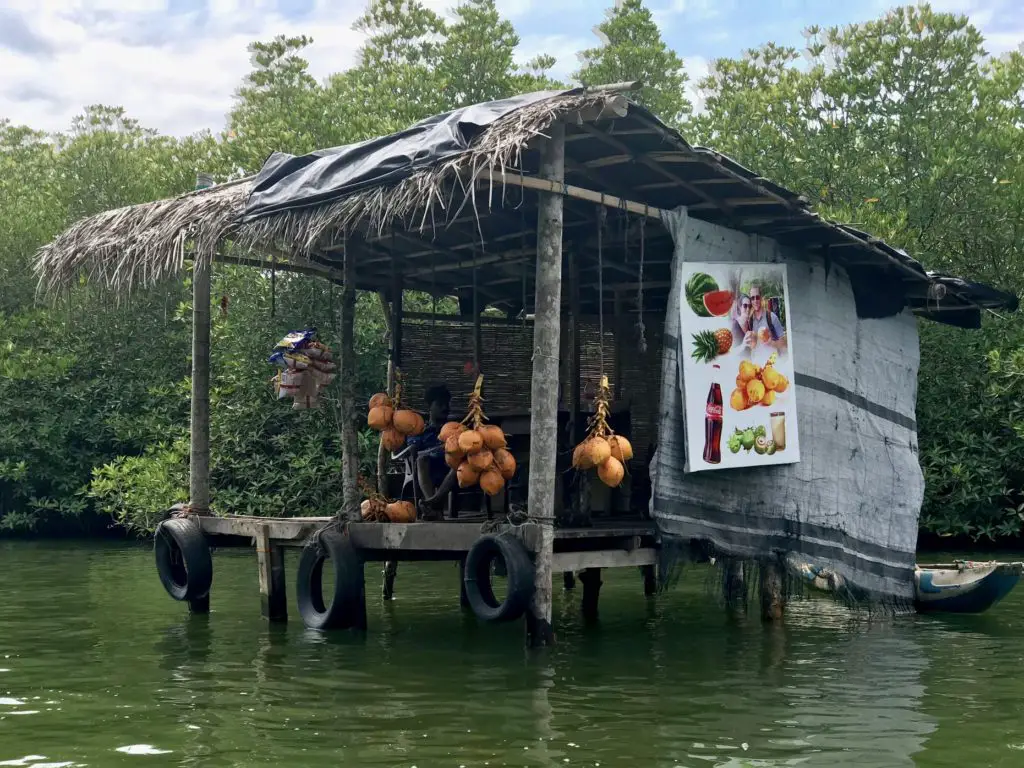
(718, 303)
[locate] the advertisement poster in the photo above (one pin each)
(737, 366)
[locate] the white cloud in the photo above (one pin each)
(176, 73)
(697, 67)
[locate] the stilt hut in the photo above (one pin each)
(610, 247)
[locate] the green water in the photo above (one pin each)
(99, 667)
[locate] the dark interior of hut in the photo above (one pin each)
(627, 265)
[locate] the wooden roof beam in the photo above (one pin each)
(656, 167)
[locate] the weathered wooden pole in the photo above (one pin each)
(199, 427)
(649, 573)
(382, 453)
(270, 560)
(349, 412)
(575, 349)
(735, 585)
(387, 588)
(591, 580)
(544, 384)
(773, 590)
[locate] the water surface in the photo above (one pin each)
(99, 667)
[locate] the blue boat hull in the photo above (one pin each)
(937, 591)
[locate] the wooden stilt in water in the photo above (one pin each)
(270, 560)
(349, 412)
(568, 581)
(463, 598)
(199, 428)
(734, 583)
(650, 576)
(387, 590)
(199, 606)
(773, 591)
(544, 384)
(590, 578)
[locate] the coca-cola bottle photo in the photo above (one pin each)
(713, 423)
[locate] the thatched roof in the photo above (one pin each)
(442, 221)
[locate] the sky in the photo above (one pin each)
(175, 65)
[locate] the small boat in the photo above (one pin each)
(964, 586)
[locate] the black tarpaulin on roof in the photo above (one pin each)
(287, 181)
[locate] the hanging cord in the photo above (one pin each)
(522, 244)
(640, 290)
(433, 297)
(600, 280)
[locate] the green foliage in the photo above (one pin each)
(904, 127)
(635, 51)
(900, 125)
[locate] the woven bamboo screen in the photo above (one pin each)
(441, 351)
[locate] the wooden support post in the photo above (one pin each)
(382, 454)
(387, 589)
(199, 606)
(773, 590)
(650, 576)
(575, 349)
(568, 581)
(199, 428)
(463, 597)
(349, 411)
(591, 581)
(544, 385)
(735, 585)
(270, 558)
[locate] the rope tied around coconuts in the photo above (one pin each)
(477, 451)
(602, 448)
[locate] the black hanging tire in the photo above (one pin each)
(347, 608)
(183, 559)
(518, 566)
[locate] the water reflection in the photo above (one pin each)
(674, 680)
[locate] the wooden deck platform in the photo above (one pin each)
(611, 544)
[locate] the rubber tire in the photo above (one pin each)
(183, 559)
(477, 578)
(348, 603)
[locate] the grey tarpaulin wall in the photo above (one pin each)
(852, 503)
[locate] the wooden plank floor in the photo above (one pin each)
(448, 536)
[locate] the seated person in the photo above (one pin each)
(434, 476)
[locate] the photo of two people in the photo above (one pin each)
(758, 315)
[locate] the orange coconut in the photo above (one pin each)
(470, 441)
(611, 472)
(451, 429)
(493, 437)
(392, 439)
(621, 448)
(481, 460)
(505, 463)
(380, 417)
(467, 475)
(491, 482)
(407, 422)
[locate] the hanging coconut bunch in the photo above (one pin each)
(478, 452)
(602, 448)
(375, 508)
(395, 423)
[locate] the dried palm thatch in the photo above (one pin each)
(141, 244)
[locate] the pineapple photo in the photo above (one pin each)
(707, 345)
